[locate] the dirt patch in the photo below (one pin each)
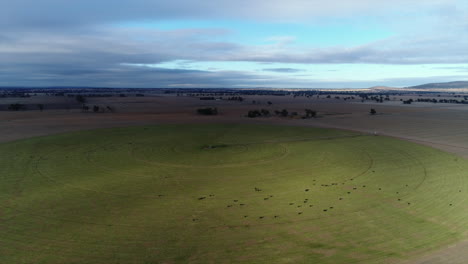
(452, 254)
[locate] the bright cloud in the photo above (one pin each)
(273, 43)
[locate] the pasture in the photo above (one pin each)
(227, 193)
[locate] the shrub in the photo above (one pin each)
(253, 113)
(207, 111)
(310, 113)
(16, 107)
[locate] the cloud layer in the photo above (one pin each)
(50, 13)
(84, 43)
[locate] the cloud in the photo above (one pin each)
(151, 77)
(453, 68)
(145, 46)
(102, 59)
(57, 14)
(283, 70)
(79, 42)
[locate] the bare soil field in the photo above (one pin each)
(443, 126)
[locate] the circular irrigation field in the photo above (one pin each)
(227, 193)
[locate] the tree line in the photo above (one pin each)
(308, 113)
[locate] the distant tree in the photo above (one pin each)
(253, 113)
(40, 106)
(265, 112)
(85, 108)
(310, 113)
(284, 113)
(80, 99)
(207, 98)
(259, 113)
(16, 107)
(95, 109)
(236, 98)
(372, 111)
(207, 111)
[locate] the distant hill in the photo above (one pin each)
(451, 85)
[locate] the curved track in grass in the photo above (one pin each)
(226, 193)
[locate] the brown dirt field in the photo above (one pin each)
(443, 126)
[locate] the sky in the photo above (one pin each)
(232, 44)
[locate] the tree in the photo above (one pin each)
(253, 113)
(95, 109)
(16, 107)
(372, 111)
(80, 99)
(265, 112)
(207, 111)
(310, 113)
(284, 113)
(40, 106)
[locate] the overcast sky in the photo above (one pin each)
(223, 43)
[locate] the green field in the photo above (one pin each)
(224, 194)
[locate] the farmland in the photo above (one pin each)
(213, 193)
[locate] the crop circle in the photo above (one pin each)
(209, 193)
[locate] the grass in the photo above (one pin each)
(226, 193)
